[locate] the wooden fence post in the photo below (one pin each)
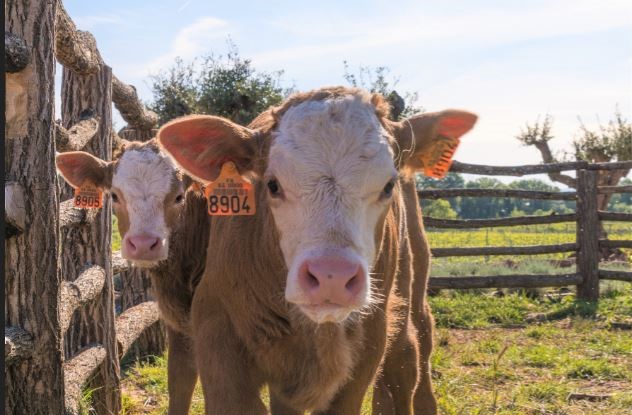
(90, 244)
(34, 379)
(587, 235)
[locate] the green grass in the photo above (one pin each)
(116, 236)
(482, 367)
(489, 356)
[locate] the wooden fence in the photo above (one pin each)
(61, 330)
(587, 218)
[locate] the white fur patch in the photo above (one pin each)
(144, 179)
(332, 160)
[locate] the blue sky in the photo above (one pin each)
(508, 61)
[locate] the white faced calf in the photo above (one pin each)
(147, 196)
(328, 239)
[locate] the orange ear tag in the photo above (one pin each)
(438, 160)
(88, 196)
(230, 194)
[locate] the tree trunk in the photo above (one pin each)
(136, 289)
(33, 384)
(91, 244)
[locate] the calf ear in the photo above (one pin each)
(418, 136)
(201, 144)
(77, 167)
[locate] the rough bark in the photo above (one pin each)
(18, 344)
(504, 250)
(485, 223)
(32, 275)
(77, 371)
(91, 244)
(588, 226)
(76, 137)
(458, 167)
(75, 49)
(133, 322)
(136, 290)
(547, 157)
(504, 281)
(16, 53)
(79, 292)
(14, 209)
(524, 194)
(131, 108)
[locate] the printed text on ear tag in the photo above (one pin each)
(230, 194)
(88, 196)
(438, 160)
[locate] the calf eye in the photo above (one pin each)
(387, 192)
(274, 188)
(179, 198)
(115, 198)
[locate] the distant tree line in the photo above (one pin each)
(496, 207)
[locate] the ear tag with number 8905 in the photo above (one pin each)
(88, 196)
(230, 194)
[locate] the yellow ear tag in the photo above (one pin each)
(88, 196)
(230, 194)
(438, 159)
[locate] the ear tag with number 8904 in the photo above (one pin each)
(88, 196)
(230, 194)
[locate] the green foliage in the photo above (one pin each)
(536, 132)
(493, 207)
(378, 80)
(439, 209)
(611, 142)
(175, 92)
(225, 85)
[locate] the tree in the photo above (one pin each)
(175, 92)
(376, 80)
(611, 142)
(450, 181)
(485, 207)
(529, 206)
(225, 85)
(438, 209)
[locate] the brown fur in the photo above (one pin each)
(174, 280)
(246, 335)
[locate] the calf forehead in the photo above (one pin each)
(340, 138)
(144, 173)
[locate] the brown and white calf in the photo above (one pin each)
(164, 228)
(307, 294)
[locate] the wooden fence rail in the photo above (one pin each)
(587, 219)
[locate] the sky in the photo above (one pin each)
(510, 62)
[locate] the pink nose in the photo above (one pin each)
(328, 280)
(143, 247)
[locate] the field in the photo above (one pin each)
(499, 352)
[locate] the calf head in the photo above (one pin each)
(330, 161)
(147, 195)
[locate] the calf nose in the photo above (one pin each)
(143, 246)
(332, 281)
